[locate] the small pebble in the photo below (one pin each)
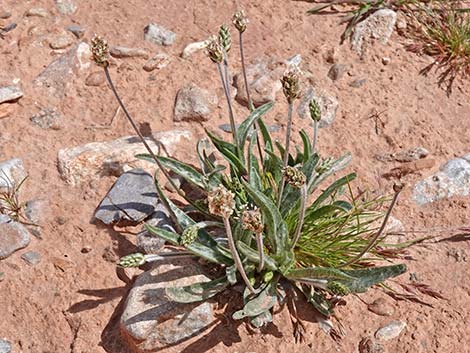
(47, 118)
(61, 42)
(4, 14)
(381, 307)
(390, 331)
(124, 52)
(337, 71)
(31, 257)
(37, 12)
(10, 93)
(95, 79)
(61, 220)
(77, 31)
(358, 82)
(86, 249)
(386, 60)
(159, 61)
(2, 276)
(369, 346)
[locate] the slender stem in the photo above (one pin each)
(168, 255)
(236, 257)
(229, 104)
(315, 135)
(136, 129)
(300, 222)
(248, 96)
(378, 234)
(259, 244)
(286, 151)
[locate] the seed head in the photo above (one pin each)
(240, 21)
(291, 83)
(100, 50)
(252, 221)
(132, 260)
(189, 235)
(337, 288)
(221, 202)
(294, 177)
(315, 112)
(324, 165)
(215, 50)
(224, 38)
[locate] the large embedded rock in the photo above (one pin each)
(131, 200)
(13, 236)
(159, 35)
(149, 243)
(378, 26)
(453, 179)
(12, 173)
(194, 103)
(90, 161)
(150, 322)
(10, 93)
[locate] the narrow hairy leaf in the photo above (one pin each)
(252, 255)
(184, 170)
(332, 189)
(318, 273)
(246, 125)
(197, 292)
(229, 151)
(365, 278)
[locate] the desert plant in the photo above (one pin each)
(10, 203)
(274, 241)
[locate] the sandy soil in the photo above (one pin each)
(71, 301)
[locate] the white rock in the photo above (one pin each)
(390, 331)
(159, 35)
(158, 62)
(378, 26)
(82, 163)
(194, 103)
(12, 173)
(192, 48)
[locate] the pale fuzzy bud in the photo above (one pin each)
(252, 221)
(224, 38)
(215, 50)
(189, 235)
(100, 50)
(324, 165)
(294, 177)
(132, 260)
(315, 112)
(221, 202)
(240, 21)
(291, 83)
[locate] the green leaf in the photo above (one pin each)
(318, 301)
(262, 319)
(276, 230)
(246, 125)
(253, 256)
(365, 278)
(318, 8)
(253, 168)
(317, 273)
(197, 292)
(184, 170)
(229, 151)
(261, 303)
(307, 146)
(333, 188)
(336, 166)
(268, 143)
(231, 273)
(212, 254)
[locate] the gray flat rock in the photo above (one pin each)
(131, 200)
(13, 236)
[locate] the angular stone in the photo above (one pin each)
(150, 322)
(31, 257)
(131, 200)
(149, 243)
(368, 346)
(159, 35)
(390, 331)
(58, 74)
(10, 93)
(158, 62)
(76, 30)
(47, 118)
(194, 103)
(263, 81)
(12, 173)
(328, 106)
(378, 26)
(358, 82)
(65, 7)
(5, 346)
(125, 52)
(337, 71)
(37, 12)
(5, 14)
(90, 161)
(13, 236)
(36, 211)
(453, 179)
